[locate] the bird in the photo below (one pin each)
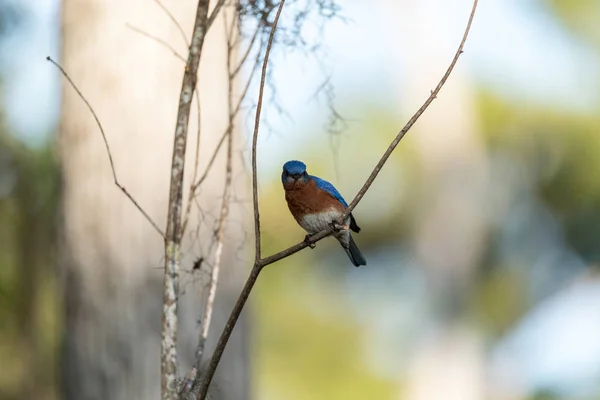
(316, 204)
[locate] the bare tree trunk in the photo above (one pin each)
(111, 256)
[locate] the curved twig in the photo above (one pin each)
(260, 263)
(110, 158)
(202, 389)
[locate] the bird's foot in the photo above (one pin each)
(338, 227)
(308, 242)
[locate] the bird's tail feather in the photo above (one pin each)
(354, 253)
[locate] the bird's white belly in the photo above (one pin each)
(313, 223)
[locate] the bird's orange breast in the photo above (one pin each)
(307, 198)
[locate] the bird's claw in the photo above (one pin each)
(337, 227)
(308, 242)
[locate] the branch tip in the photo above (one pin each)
(106, 145)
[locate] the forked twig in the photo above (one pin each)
(214, 13)
(204, 384)
(260, 263)
(196, 183)
(106, 145)
(224, 136)
(192, 377)
(197, 95)
(209, 22)
(174, 214)
(169, 14)
(175, 227)
(246, 54)
(157, 40)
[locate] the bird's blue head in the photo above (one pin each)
(293, 172)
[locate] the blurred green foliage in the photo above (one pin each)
(29, 195)
(561, 151)
(305, 355)
(579, 17)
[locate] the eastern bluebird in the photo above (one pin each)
(315, 204)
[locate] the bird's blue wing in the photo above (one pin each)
(329, 188)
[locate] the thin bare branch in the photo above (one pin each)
(157, 40)
(174, 20)
(413, 119)
(214, 13)
(197, 95)
(198, 112)
(196, 162)
(260, 263)
(230, 32)
(106, 145)
(245, 56)
(208, 374)
(191, 378)
(174, 215)
(211, 161)
(204, 384)
(214, 279)
(261, 91)
(224, 136)
(212, 291)
(198, 108)
(197, 183)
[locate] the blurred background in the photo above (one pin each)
(480, 232)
